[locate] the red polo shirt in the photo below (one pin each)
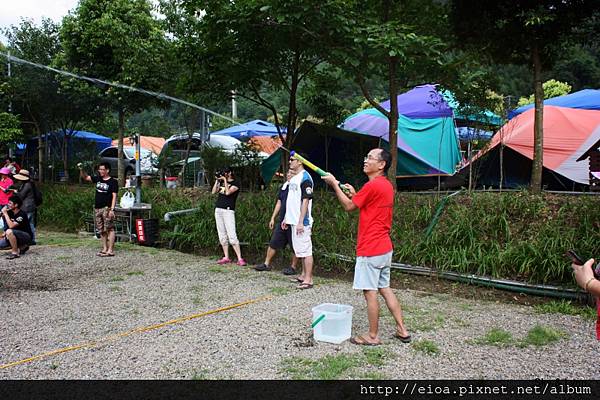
(376, 203)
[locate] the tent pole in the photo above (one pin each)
(470, 166)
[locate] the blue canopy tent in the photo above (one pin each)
(79, 142)
(250, 129)
(466, 133)
(587, 99)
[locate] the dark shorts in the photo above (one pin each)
(280, 238)
(23, 238)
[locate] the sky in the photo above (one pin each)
(11, 11)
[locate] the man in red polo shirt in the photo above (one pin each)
(374, 246)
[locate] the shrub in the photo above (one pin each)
(509, 235)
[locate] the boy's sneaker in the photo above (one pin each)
(224, 260)
(241, 262)
(262, 267)
(289, 271)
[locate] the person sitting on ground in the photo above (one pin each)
(18, 234)
(104, 206)
(584, 275)
(228, 189)
(26, 192)
(280, 238)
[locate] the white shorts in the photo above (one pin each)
(302, 244)
(372, 273)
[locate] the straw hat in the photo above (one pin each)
(23, 175)
(5, 171)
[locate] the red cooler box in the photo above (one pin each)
(146, 231)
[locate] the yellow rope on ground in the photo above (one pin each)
(130, 332)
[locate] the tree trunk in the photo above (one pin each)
(191, 123)
(538, 130)
(65, 155)
(393, 121)
(120, 164)
(41, 153)
(292, 113)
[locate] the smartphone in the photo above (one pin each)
(575, 258)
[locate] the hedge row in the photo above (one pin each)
(508, 235)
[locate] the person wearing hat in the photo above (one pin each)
(26, 193)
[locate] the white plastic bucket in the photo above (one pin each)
(336, 326)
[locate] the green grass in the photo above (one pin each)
(328, 367)
(496, 337)
(197, 301)
(64, 258)
(201, 375)
(426, 346)
(339, 366)
(60, 239)
(218, 269)
(423, 320)
(373, 376)
(541, 336)
(116, 278)
(280, 291)
(512, 235)
(566, 307)
(376, 356)
(135, 273)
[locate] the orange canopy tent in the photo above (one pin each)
(568, 133)
(268, 144)
(152, 143)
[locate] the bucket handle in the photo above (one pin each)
(317, 321)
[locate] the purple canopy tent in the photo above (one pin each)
(426, 138)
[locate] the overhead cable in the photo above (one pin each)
(97, 81)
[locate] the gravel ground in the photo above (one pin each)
(60, 294)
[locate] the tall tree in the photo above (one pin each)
(251, 46)
(524, 32)
(400, 41)
(119, 41)
(33, 91)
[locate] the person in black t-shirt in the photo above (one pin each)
(104, 206)
(228, 189)
(18, 234)
(279, 238)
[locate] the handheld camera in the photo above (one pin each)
(577, 260)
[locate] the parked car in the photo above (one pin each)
(177, 144)
(148, 160)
